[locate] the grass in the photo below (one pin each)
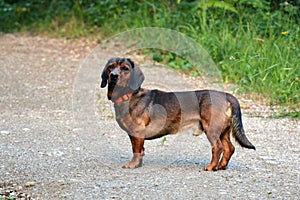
(269, 66)
(255, 44)
(287, 114)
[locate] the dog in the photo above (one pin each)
(149, 114)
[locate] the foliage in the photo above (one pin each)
(290, 114)
(254, 43)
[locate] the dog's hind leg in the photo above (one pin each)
(138, 152)
(217, 150)
(228, 150)
(212, 131)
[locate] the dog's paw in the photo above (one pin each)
(136, 161)
(210, 167)
(132, 165)
(222, 166)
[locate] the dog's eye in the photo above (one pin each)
(125, 69)
(110, 68)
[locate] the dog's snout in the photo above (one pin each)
(114, 75)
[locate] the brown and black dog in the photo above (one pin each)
(149, 114)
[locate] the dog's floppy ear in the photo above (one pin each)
(131, 62)
(104, 75)
(136, 79)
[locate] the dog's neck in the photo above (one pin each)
(125, 97)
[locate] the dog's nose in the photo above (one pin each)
(114, 75)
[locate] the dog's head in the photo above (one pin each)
(121, 76)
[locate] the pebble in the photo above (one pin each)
(77, 129)
(26, 129)
(19, 188)
(4, 132)
(222, 192)
(30, 184)
(54, 153)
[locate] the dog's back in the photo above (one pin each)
(181, 109)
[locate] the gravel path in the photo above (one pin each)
(59, 139)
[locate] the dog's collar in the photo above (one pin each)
(125, 97)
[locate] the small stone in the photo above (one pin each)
(19, 188)
(4, 132)
(223, 192)
(21, 195)
(7, 193)
(73, 180)
(54, 153)
(77, 129)
(30, 184)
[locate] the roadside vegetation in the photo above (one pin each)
(255, 44)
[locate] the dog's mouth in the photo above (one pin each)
(111, 88)
(115, 91)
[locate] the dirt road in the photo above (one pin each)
(59, 139)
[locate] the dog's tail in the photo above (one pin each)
(237, 125)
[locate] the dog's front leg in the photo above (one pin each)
(138, 152)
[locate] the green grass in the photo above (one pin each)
(287, 114)
(264, 65)
(255, 44)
